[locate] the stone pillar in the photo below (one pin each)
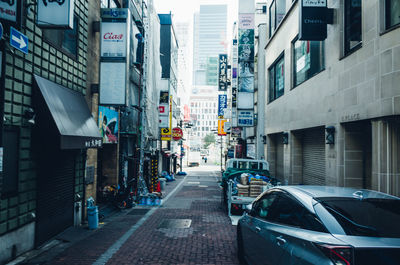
(296, 155)
(271, 154)
(386, 156)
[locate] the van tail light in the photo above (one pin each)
(340, 255)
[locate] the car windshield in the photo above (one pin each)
(366, 217)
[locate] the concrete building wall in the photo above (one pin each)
(360, 88)
(17, 212)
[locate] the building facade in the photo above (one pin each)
(45, 100)
(210, 25)
(332, 107)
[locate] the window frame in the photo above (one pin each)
(61, 32)
(347, 49)
(294, 77)
(387, 12)
(273, 66)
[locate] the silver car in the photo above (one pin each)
(320, 225)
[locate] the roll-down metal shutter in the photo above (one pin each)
(55, 198)
(314, 157)
(279, 157)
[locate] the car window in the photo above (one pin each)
(372, 217)
(235, 164)
(288, 211)
(243, 164)
(253, 165)
(263, 205)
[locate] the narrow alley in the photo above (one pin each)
(190, 227)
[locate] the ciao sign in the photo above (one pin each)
(177, 134)
(55, 13)
(113, 39)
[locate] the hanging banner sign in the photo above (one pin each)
(222, 72)
(313, 14)
(113, 39)
(222, 105)
(221, 131)
(55, 13)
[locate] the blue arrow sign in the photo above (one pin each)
(18, 40)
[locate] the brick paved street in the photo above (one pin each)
(158, 235)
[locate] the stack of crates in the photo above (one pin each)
(154, 174)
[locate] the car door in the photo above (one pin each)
(292, 230)
(257, 249)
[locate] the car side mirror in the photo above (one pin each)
(249, 209)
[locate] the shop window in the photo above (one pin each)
(277, 78)
(10, 161)
(64, 40)
(392, 10)
(277, 11)
(352, 25)
(308, 59)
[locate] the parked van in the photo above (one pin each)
(241, 163)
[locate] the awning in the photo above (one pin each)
(71, 116)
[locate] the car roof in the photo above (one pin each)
(331, 191)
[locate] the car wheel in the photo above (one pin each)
(240, 250)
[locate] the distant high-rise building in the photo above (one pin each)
(209, 40)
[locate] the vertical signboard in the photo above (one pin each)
(222, 72)
(221, 131)
(108, 124)
(114, 44)
(222, 105)
(313, 14)
(55, 14)
(245, 84)
(113, 39)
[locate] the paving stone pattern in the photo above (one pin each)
(210, 238)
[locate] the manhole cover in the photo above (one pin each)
(175, 223)
(139, 211)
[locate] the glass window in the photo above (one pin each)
(352, 25)
(272, 19)
(263, 206)
(242, 164)
(392, 13)
(368, 217)
(290, 212)
(277, 11)
(277, 79)
(308, 59)
(64, 40)
(253, 165)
